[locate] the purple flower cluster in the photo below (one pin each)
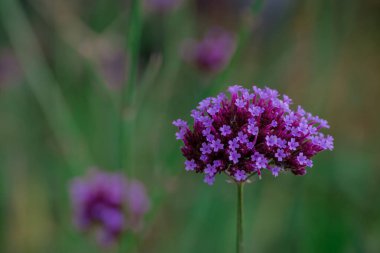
(212, 53)
(108, 204)
(249, 132)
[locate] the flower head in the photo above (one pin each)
(212, 53)
(251, 131)
(108, 204)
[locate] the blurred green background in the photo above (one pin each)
(62, 71)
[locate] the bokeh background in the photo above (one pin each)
(64, 66)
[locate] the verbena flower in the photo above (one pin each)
(212, 53)
(250, 132)
(108, 204)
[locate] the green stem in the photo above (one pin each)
(239, 221)
(43, 84)
(134, 33)
(128, 92)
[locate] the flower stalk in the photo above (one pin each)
(127, 99)
(240, 218)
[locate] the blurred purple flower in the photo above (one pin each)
(289, 144)
(108, 204)
(212, 53)
(161, 6)
(113, 66)
(138, 204)
(10, 70)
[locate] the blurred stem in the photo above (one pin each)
(239, 221)
(128, 92)
(257, 6)
(243, 36)
(43, 85)
(134, 34)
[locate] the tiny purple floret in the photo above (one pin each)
(225, 130)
